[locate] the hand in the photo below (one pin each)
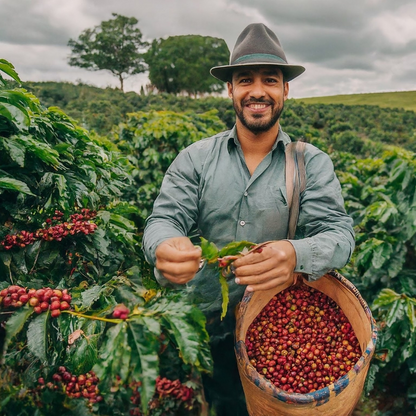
(272, 267)
(178, 259)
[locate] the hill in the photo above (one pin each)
(400, 99)
(361, 122)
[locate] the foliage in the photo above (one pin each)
(325, 126)
(115, 45)
(65, 230)
(405, 100)
(380, 194)
(152, 141)
(182, 63)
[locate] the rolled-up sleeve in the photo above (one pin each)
(325, 236)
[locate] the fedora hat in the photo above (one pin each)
(257, 45)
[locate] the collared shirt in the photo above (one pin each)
(209, 189)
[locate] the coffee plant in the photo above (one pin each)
(380, 194)
(84, 328)
(151, 142)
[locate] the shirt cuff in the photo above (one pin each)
(304, 256)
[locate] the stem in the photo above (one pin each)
(96, 318)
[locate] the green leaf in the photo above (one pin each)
(224, 293)
(235, 247)
(395, 312)
(114, 356)
(185, 337)
(147, 346)
(101, 241)
(381, 254)
(15, 324)
(8, 69)
(84, 352)
(37, 337)
(15, 185)
(16, 151)
(209, 250)
(91, 295)
(385, 297)
(410, 312)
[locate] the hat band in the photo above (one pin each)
(256, 57)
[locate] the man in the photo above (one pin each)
(231, 187)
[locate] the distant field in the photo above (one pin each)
(402, 99)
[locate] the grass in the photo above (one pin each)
(401, 99)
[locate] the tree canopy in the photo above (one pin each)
(115, 45)
(182, 63)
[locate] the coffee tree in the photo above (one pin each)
(151, 141)
(84, 329)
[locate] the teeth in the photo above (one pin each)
(257, 106)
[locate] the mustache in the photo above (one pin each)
(256, 101)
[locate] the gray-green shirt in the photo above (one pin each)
(209, 188)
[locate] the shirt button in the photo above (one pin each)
(242, 223)
(245, 193)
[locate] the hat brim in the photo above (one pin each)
(224, 73)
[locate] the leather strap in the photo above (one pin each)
(295, 182)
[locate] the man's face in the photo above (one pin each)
(258, 95)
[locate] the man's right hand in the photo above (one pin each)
(178, 259)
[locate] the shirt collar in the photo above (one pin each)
(233, 139)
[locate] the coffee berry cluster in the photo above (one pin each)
(84, 385)
(56, 229)
(121, 311)
(165, 389)
(42, 300)
(302, 341)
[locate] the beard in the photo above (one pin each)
(260, 124)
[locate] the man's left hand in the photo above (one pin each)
(271, 267)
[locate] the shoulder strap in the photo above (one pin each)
(295, 182)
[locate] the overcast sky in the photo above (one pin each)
(352, 46)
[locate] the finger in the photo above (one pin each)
(251, 258)
(256, 279)
(177, 268)
(255, 269)
(173, 254)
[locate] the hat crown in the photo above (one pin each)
(257, 40)
(257, 45)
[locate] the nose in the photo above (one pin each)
(257, 90)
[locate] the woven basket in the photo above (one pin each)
(339, 398)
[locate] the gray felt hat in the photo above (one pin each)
(257, 45)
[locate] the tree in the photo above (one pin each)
(115, 45)
(182, 63)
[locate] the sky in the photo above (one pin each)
(347, 47)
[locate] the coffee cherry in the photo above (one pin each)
(121, 312)
(311, 335)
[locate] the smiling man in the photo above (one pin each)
(231, 187)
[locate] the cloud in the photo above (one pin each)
(346, 47)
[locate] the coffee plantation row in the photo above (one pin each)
(121, 344)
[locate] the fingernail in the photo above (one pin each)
(237, 280)
(249, 289)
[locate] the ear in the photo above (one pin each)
(230, 89)
(286, 91)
